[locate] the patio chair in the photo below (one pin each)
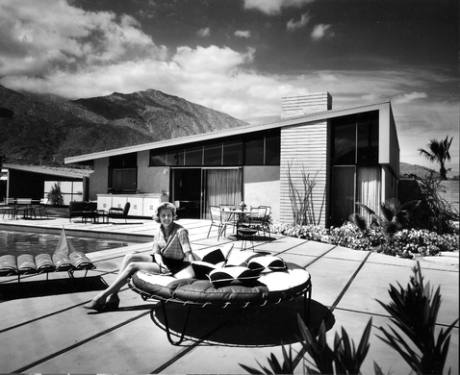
(119, 213)
(255, 219)
(217, 221)
(24, 205)
(229, 216)
(266, 220)
(40, 209)
(10, 208)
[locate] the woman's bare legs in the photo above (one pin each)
(131, 264)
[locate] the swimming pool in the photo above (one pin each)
(17, 243)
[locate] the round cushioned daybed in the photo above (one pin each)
(242, 279)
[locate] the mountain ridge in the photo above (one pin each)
(45, 132)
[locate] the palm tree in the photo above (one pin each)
(439, 152)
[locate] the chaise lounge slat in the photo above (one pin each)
(26, 264)
(44, 263)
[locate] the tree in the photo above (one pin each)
(439, 152)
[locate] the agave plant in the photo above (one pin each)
(344, 358)
(414, 311)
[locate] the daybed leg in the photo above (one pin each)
(168, 333)
(307, 305)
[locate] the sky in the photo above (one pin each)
(242, 56)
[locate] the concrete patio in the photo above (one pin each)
(44, 328)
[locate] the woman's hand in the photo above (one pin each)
(164, 270)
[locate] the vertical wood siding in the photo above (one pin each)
(305, 148)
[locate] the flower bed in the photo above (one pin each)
(406, 243)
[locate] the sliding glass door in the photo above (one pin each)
(194, 190)
(221, 186)
(343, 201)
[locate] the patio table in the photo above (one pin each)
(237, 216)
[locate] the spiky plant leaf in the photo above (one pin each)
(359, 221)
(414, 311)
(367, 209)
(377, 369)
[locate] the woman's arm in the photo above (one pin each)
(185, 244)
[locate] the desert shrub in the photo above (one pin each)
(55, 195)
(435, 213)
(406, 243)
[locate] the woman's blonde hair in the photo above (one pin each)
(164, 206)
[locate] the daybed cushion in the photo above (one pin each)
(270, 286)
(267, 263)
(220, 277)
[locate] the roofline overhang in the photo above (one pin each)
(36, 169)
(293, 121)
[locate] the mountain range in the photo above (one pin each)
(37, 129)
(46, 131)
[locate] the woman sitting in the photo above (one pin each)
(171, 253)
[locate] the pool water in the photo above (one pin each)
(17, 243)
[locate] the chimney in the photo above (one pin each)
(300, 105)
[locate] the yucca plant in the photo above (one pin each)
(344, 358)
(414, 311)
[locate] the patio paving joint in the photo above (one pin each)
(344, 290)
(77, 344)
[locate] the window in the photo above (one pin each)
(194, 155)
(344, 140)
(123, 180)
(233, 152)
(356, 139)
(213, 154)
(123, 173)
(356, 174)
(367, 139)
(272, 149)
(157, 158)
(254, 150)
(261, 148)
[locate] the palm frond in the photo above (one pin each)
(359, 221)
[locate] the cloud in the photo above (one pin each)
(293, 25)
(243, 33)
(204, 32)
(328, 77)
(321, 31)
(406, 98)
(273, 7)
(86, 54)
(37, 42)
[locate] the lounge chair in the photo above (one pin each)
(65, 258)
(119, 213)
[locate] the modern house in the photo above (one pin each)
(36, 181)
(314, 159)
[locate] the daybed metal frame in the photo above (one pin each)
(305, 292)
